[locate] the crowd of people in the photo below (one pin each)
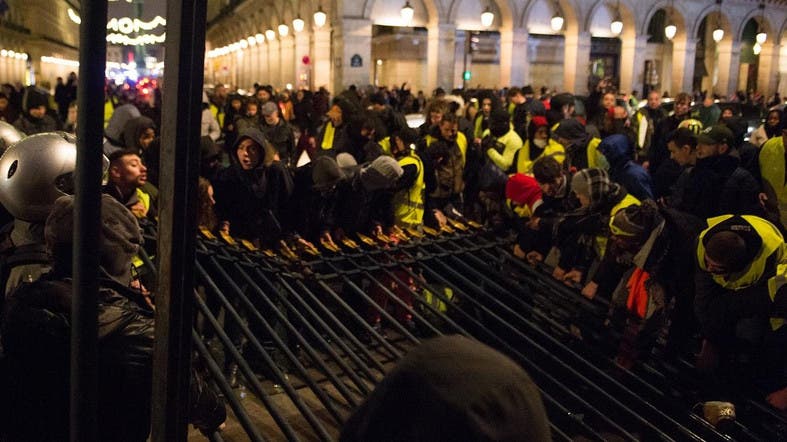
(676, 217)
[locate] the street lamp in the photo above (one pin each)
(670, 30)
(718, 33)
(557, 19)
(320, 17)
(270, 35)
(617, 23)
(407, 13)
(761, 35)
(298, 24)
(487, 17)
(284, 30)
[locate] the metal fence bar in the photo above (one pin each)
(248, 374)
(224, 386)
(87, 221)
(181, 122)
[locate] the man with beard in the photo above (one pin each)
(444, 167)
(646, 120)
(127, 176)
(717, 184)
(279, 133)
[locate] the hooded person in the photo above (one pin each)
(538, 143)
(35, 118)
(580, 147)
(507, 141)
(489, 103)
(581, 236)
(356, 199)
(430, 385)
(117, 123)
(36, 336)
(741, 300)
(210, 155)
(717, 184)
(138, 133)
(252, 194)
(335, 137)
(618, 150)
(209, 125)
(648, 264)
(561, 107)
(523, 195)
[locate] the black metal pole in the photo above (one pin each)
(87, 221)
(181, 119)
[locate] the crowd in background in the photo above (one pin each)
(676, 216)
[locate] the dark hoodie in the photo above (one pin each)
(617, 149)
(132, 130)
(253, 201)
(36, 342)
(449, 389)
(718, 185)
(342, 137)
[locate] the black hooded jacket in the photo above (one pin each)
(253, 201)
(718, 185)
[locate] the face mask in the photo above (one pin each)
(539, 143)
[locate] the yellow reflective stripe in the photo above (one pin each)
(772, 243)
(409, 203)
(385, 145)
(327, 136)
(461, 141)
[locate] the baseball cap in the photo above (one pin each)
(717, 134)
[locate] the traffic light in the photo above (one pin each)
(466, 75)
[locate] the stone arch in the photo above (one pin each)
(503, 13)
(707, 12)
(433, 8)
(782, 30)
(626, 14)
(758, 16)
(568, 7)
(678, 16)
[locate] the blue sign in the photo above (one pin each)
(356, 61)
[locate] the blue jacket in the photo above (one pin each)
(617, 150)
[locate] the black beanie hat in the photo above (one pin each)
(499, 123)
(326, 173)
(35, 97)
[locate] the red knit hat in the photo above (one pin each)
(523, 190)
(539, 120)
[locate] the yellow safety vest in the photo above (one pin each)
(601, 240)
(461, 142)
(512, 142)
(595, 157)
(327, 136)
(409, 203)
(385, 145)
(553, 149)
(478, 128)
(219, 115)
(772, 169)
(109, 109)
(772, 245)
